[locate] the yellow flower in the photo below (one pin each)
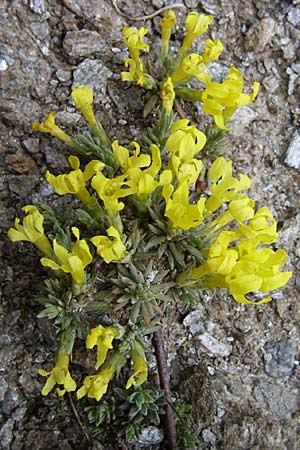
(242, 269)
(75, 181)
(185, 140)
(59, 375)
(136, 72)
(102, 337)
(139, 365)
(263, 227)
(83, 100)
(183, 170)
(73, 262)
(121, 155)
(95, 386)
(178, 209)
(191, 66)
(110, 249)
(167, 23)
(212, 50)
(240, 208)
(134, 41)
(143, 182)
(196, 25)
(49, 126)
(168, 95)
(110, 190)
(32, 230)
(221, 100)
(225, 187)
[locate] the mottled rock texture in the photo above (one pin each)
(244, 383)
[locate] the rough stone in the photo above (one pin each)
(260, 34)
(83, 43)
(294, 77)
(282, 361)
(294, 16)
(212, 345)
(194, 321)
(94, 73)
(20, 162)
(281, 400)
(150, 436)
(292, 157)
(6, 433)
(241, 119)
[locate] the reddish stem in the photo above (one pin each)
(164, 379)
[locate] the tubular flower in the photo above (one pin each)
(196, 24)
(49, 126)
(167, 23)
(136, 72)
(225, 186)
(221, 100)
(95, 386)
(240, 208)
(263, 227)
(74, 182)
(168, 95)
(102, 338)
(134, 41)
(32, 230)
(185, 140)
(121, 155)
(186, 170)
(83, 100)
(59, 375)
(110, 190)
(212, 50)
(139, 365)
(73, 262)
(191, 66)
(244, 268)
(178, 209)
(110, 249)
(142, 181)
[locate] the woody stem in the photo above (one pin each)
(164, 379)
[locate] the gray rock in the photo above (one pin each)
(83, 43)
(66, 118)
(294, 16)
(209, 437)
(22, 185)
(3, 387)
(212, 345)
(37, 6)
(32, 145)
(241, 119)
(63, 75)
(194, 321)
(218, 71)
(294, 77)
(260, 34)
(271, 83)
(94, 73)
(282, 361)
(292, 157)
(280, 399)
(6, 433)
(150, 436)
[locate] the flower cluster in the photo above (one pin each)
(141, 232)
(220, 100)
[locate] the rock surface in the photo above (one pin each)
(244, 383)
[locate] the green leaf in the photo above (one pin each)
(50, 312)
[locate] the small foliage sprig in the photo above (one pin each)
(140, 234)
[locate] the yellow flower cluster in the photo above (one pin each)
(134, 42)
(220, 100)
(95, 386)
(244, 268)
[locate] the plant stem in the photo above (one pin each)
(164, 379)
